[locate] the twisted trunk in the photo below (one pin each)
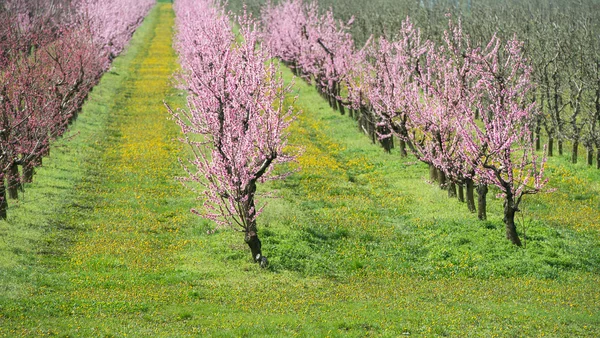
(251, 230)
(509, 220)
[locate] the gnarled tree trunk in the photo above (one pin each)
(251, 231)
(509, 221)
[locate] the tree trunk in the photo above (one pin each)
(342, 109)
(28, 171)
(3, 202)
(461, 193)
(598, 158)
(538, 139)
(333, 102)
(442, 179)
(509, 221)
(560, 147)
(402, 146)
(550, 145)
(253, 242)
(433, 176)
(251, 232)
(590, 155)
(451, 190)
(482, 190)
(388, 142)
(13, 181)
(372, 129)
(574, 154)
(470, 195)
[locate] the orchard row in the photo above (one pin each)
(461, 108)
(560, 40)
(51, 55)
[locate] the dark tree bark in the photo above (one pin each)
(509, 221)
(387, 144)
(29, 170)
(3, 201)
(560, 147)
(482, 191)
(251, 230)
(342, 108)
(433, 174)
(451, 190)
(253, 242)
(461, 193)
(442, 179)
(550, 145)
(14, 181)
(402, 146)
(574, 154)
(470, 195)
(590, 155)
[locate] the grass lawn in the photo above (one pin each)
(103, 243)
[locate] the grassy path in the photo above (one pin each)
(359, 244)
(112, 236)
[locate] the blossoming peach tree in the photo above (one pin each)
(235, 119)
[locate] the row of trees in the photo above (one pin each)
(462, 108)
(51, 55)
(560, 40)
(236, 114)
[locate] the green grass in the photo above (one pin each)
(359, 242)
